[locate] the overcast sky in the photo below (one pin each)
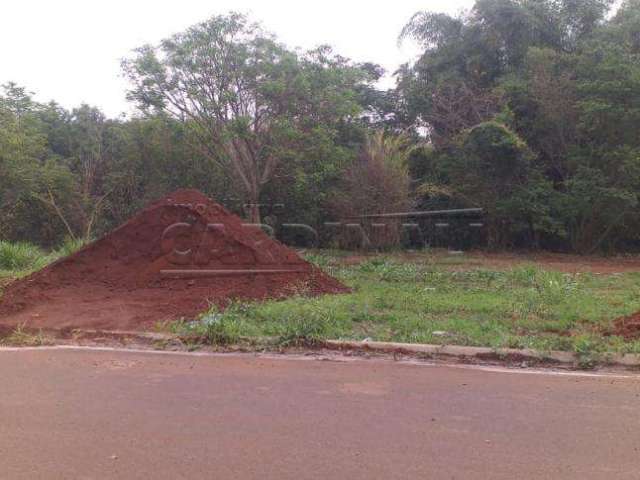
(70, 50)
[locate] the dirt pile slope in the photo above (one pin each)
(627, 327)
(171, 260)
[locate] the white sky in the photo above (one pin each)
(70, 50)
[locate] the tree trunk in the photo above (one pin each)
(246, 167)
(253, 206)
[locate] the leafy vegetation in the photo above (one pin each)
(250, 102)
(528, 109)
(527, 113)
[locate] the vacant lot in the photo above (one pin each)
(557, 303)
(547, 302)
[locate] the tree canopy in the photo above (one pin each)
(562, 76)
(526, 108)
(248, 100)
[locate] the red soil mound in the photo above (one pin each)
(627, 327)
(172, 260)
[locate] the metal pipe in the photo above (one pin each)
(431, 213)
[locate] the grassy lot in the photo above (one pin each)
(418, 298)
(440, 301)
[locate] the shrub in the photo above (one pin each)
(377, 183)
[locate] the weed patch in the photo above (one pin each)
(21, 256)
(419, 302)
(21, 337)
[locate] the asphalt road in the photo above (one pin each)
(103, 415)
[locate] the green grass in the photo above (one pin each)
(21, 258)
(425, 302)
(20, 337)
(69, 246)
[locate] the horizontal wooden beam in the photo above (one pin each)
(228, 272)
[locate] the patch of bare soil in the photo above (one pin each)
(627, 327)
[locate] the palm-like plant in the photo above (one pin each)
(390, 150)
(378, 182)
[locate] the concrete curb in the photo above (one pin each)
(483, 353)
(123, 334)
(480, 354)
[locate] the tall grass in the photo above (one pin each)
(24, 257)
(68, 247)
(21, 256)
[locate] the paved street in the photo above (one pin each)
(69, 414)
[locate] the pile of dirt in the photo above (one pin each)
(627, 327)
(172, 260)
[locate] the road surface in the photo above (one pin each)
(118, 415)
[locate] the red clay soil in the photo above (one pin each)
(627, 327)
(172, 260)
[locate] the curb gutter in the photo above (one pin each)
(482, 353)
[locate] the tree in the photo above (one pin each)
(453, 85)
(543, 100)
(245, 97)
(29, 170)
(562, 80)
(490, 166)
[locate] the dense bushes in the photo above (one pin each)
(562, 170)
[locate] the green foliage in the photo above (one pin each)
(221, 329)
(212, 328)
(295, 127)
(496, 151)
(562, 78)
(530, 109)
(377, 183)
(20, 256)
(308, 329)
(43, 193)
(490, 166)
(69, 246)
(250, 102)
